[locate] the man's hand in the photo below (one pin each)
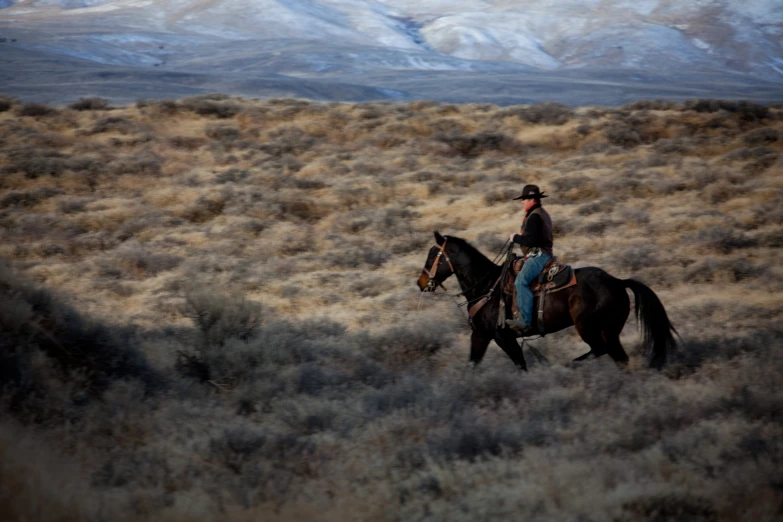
(511, 237)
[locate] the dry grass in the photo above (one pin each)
(209, 312)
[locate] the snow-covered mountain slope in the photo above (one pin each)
(547, 34)
(338, 37)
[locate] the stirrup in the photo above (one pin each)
(520, 327)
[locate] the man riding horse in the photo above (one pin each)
(592, 300)
(535, 238)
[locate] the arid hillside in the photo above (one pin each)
(208, 311)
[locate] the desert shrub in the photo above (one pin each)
(85, 165)
(316, 380)
(673, 146)
(309, 184)
(232, 175)
(144, 162)
(548, 113)
(385, 140)
(393, 221)
(404, 348)
(577, 163)
(13, 130)
(39, 225)
(286, 343)
(142, 263)
(365, 168)
(33, 319)
(747, 111)
(354, 256)
(94, 103)
(650, 105)
(758, 159)
(288, 140)
(477, 144)
(220, 318)
(234, 346)
(133, 140)
(631, 214)
(300, 209)
(119, 124)
(592, 208)
(745, 153)
(165, 106)
(402, 394)
(35, 162)
(760, 136)
(622, 135)
(469, 439)
(752, 112)
(447, 125)
(72, 205)
(636, 257)
(577, 186)
(6, 103)
(707, 105)
(237, 447)
(659, 508)
(703, 176)
(721, 238)
(48, 140)
(760, 164)
(211, 105)
(722, 191)
(281, 165)
(35, 110)
(492, 197)
(771, 239)
(221, 132)
(710, 270)
(187, 142)
(262, 461)
(600, 147)
(28, 198)
(597, 226)
(204, 209)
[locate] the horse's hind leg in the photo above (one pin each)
(615, 350)
(594, 338)
(584, 357)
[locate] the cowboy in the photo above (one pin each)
(535, 238)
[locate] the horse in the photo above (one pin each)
(598, 306)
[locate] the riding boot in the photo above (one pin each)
(520, 326)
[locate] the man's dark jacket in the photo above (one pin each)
(536, 231)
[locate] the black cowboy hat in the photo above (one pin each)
(531, 192)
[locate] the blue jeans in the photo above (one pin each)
(530, 270)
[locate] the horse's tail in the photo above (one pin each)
(657, 330)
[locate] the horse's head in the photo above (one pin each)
(438, 266)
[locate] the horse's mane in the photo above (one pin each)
(471, 251)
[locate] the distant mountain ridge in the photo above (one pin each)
(333, 39)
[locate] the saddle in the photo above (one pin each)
(553, 277)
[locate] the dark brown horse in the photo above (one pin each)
(597, 305)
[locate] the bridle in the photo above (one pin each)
(434, 269)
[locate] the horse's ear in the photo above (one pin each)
(438, 238)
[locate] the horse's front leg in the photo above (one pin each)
(506, 339)
(478, 347)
